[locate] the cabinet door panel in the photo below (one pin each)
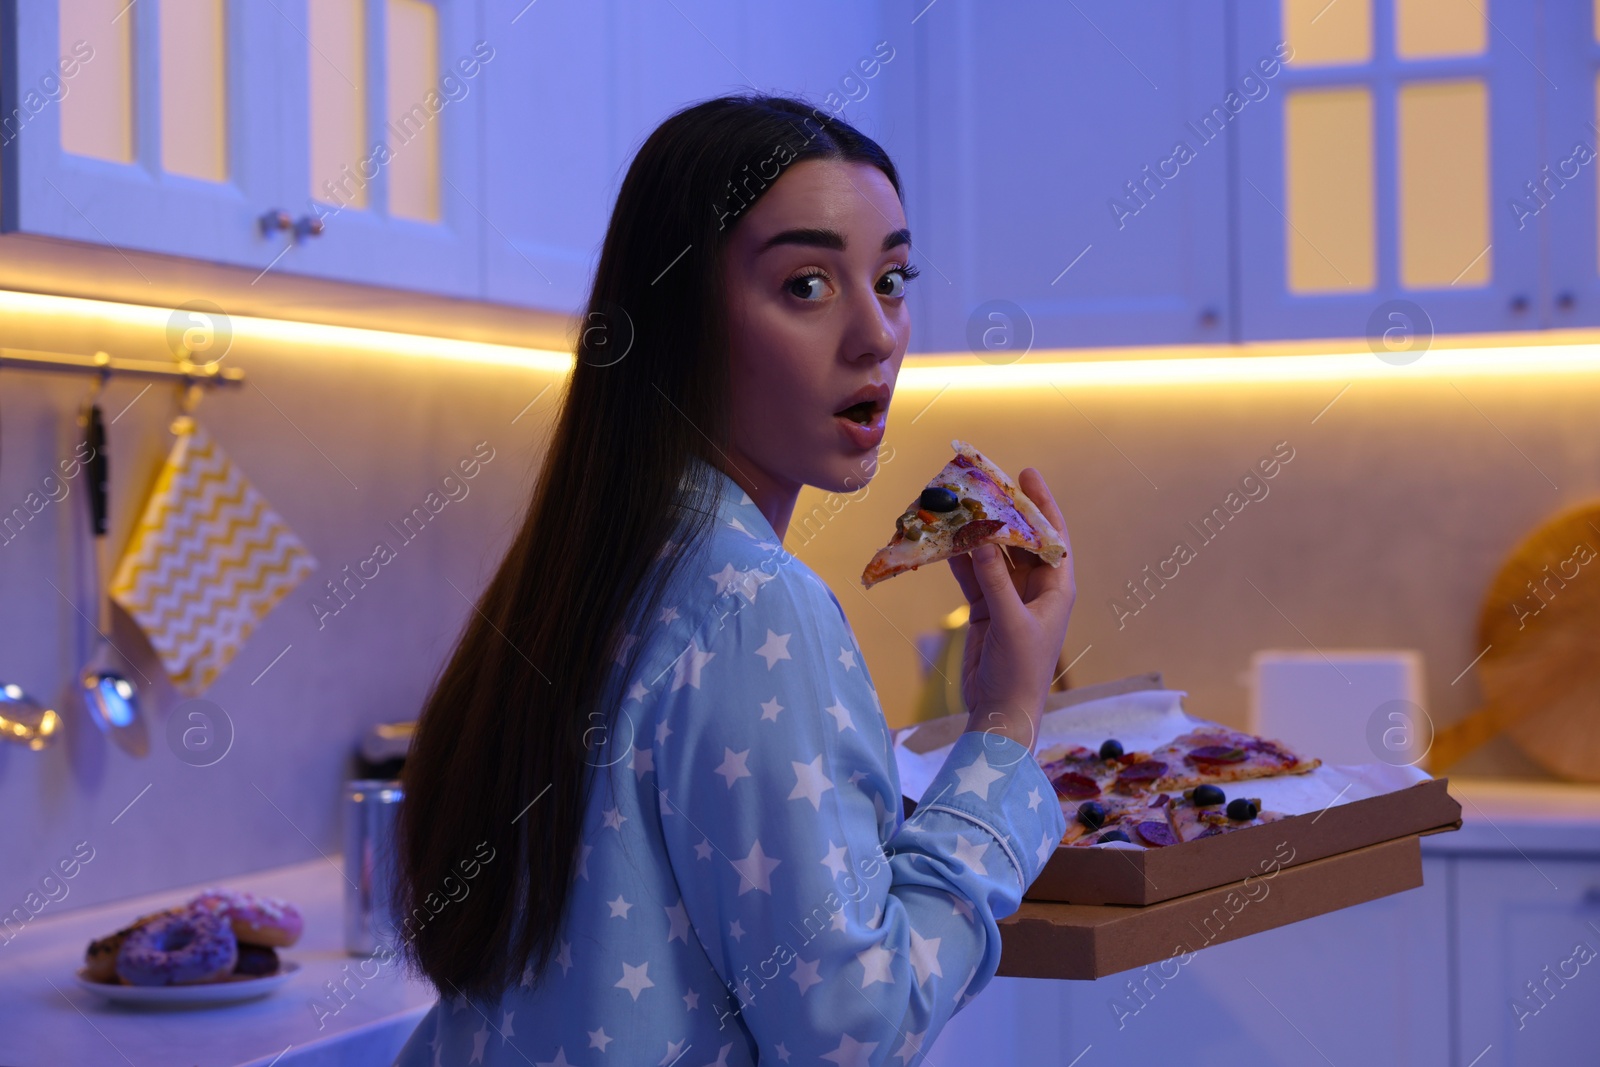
(1058, 169)
(1529, 948)
(1557, 200)
(404, 211)
(145, 172)
(1368, 984)
(583, 85)
(551, 163)
(1383, 172)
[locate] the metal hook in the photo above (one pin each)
(189, 395)
(97, 385)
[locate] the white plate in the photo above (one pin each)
(192, 995)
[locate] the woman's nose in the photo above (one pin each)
(872, 336)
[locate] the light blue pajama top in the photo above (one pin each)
(749, 889)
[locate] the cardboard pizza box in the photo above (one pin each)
(1045, 939)
(1135, 876)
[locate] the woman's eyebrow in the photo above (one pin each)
(818, 237)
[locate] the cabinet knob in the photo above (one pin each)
(1519, 304)
(275, 220)
(1565, 301)
(1209, 316)
(308, 226)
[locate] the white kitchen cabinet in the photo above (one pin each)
(1375, 182)
(1048, 196)
(1528, 945)
(151, 126)
(1365, 985)
(382, 117)
(576, 89)
(185, 127)
(552, 158)
(1289, 996)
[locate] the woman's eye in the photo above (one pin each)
(897, 279)
(807, 286)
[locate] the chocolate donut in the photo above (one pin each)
(100, 961)
(194, 945)
(255, 961)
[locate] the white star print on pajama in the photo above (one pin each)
(780, 906)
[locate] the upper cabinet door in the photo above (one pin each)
(382, 103)
(551, 153)
(1375, 179)
(148, 126)
(578, 87)
(1066, 166)
(1557, 201)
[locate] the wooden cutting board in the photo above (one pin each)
(1540, 672)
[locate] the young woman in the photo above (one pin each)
(652, 813)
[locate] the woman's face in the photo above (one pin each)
(816, 280)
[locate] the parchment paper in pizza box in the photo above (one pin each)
(1150, 718)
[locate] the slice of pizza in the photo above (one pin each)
(1205, 811)
(1080, 773)
(969, 503)
(1161, 820)
(1217, 754)
(1077, 773)
(1139, 820)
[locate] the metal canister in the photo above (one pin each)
(370, 809)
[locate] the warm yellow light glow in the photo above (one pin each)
(1176, 366)
(1438, 363)
(283, 331)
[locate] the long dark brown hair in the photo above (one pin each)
(482, 879)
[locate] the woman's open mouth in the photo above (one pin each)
(861, 413)
(862, 423)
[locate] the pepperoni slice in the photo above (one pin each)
(1217, 754)
(1071, 786)
(1144, 771)
(1156, 833)
(970, 535)
(1267, 748)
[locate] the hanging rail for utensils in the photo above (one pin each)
(23, 719)
(102, 363)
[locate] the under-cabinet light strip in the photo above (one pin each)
(921, 371)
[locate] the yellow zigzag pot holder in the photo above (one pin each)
(207, 562)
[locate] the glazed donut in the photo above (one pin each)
(256, 920)
(191, 946)
(100, 961)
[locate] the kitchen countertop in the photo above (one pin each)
(47, 1019)
(1504, 815)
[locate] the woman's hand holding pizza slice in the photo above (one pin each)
(1008, 549)
(1019, 606)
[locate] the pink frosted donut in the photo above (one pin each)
(182, 948)
(256, 920)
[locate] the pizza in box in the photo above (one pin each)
(1170, 795)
